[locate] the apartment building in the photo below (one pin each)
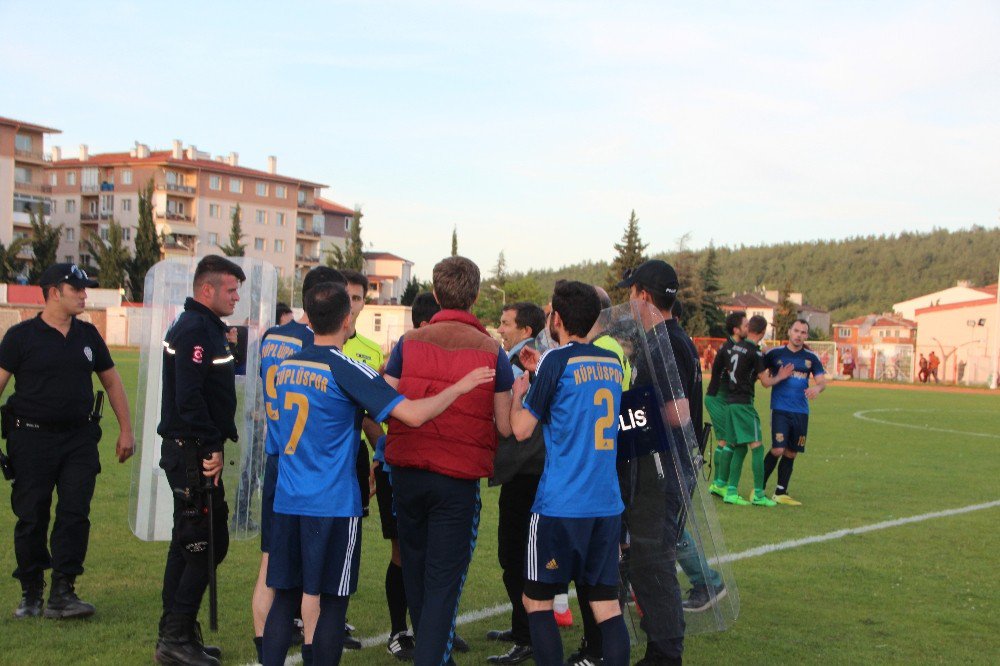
(23, 184)
(194, 197)
(336, 224)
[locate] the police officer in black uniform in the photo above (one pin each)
(52, 431)
(197, 417)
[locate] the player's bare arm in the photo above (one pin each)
(522, 422)
(818, 387)
(767, 380)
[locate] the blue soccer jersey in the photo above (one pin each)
(319, 392)
(790, 395)
(279, 343)
(577, 395)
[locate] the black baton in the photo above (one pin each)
(213, 587)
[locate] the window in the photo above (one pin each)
(127, 233)
(236, 185)
(175, 207)
(92, 207)
(126, 176)
(213, 238)
(302, 196)
(214, 210)
(215, 182)
(70, 205)
(22, 175)
(68, 258)
(843, 332)
(232, 211)
(71, 234)
(88, 178)
(279, 245)
(280, 191)
(23, 142)
(378, 322)
(280, 217)
(53, 179)
(55, 206)
(261, 216)
(347, 224)
(104, 233)
(172, 178)
(71, 178)
(262, 189)
(85, 259)
(258, 243)
(126, 205)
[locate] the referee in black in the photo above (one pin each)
(51, 424)
(197, 417)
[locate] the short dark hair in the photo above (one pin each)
(578, 307)
(734, 320)
(757, 324)
(280, 310)
(803, 321)
(212, 266)
(326, 306)
(662, 301)
(527, 314)
(357, 278)
(321, 274)
(456, 283)
(424, 307)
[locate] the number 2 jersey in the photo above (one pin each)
(319, 392)
(576, 396)
(279, 343)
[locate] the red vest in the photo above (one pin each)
(461, 441)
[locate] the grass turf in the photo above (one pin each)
(919, 593)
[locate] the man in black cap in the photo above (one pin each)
(51, 424)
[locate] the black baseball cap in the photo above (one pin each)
(655, 275)
(71, 274)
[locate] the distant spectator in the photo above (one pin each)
(933, 363)
(282, 314)
(848, 362)
(922, 373)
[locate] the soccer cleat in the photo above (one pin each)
(786, 500)
(401, 646)
(515, 655)
(583, 657)
(762, 500)
(564, 619)
(735, 499)
(701, 598)
(350, 642)
(458, 644)
(717, 490)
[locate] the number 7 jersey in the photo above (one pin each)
(576, 395)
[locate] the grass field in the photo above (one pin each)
(924, 592)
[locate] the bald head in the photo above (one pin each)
(603, 297)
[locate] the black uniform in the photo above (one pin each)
(720, 368)
(197, 417)
(743, 375)
(52, 442)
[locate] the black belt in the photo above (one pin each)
(21, 423)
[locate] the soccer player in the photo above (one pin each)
(717, 404)
(277, 344)
(790, 406)
(316, 536)
(576, 518)
(747, 366)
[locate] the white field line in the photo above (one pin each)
(862, 415)
(767, 549)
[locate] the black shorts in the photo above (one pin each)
(386, 511)
(789, 430)
(584, 550)
(320, 555)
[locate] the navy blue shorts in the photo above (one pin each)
(789, 430)
(320, 555)
(267, 502)
(584, 550)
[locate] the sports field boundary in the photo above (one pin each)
(758, 551)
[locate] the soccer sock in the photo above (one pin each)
(328, 640)
(757, 462)
(723, 457)
(591, 630)
(770, 462)
(545, 638)
(616, 642)
(736, 468)
(784, 474)
(395, 597)
(278, 627)
(307, 655)
(258, 643)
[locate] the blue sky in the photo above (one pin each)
(535, 127)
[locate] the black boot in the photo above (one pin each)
(178, 645)
(31, 599)
(63, 602)
(210, 650)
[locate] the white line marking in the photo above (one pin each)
(767, 549)
(861, 415)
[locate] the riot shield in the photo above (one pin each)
(673, 538)
(168, 284)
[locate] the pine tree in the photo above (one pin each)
(689, 292)
(147, 245)
(410, 293)
(454, 241)
(711, 295)
(352, 257)
(44, 243)
(629, 255)
(111, 256)
(10, 265)
(499, 270)
(235, 248)
(785, 314)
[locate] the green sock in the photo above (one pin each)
(736, 468)
(723, 454)
(757, 463)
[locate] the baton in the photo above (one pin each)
(213, 589)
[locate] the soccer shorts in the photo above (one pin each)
(746, 423)
(383, 495)
(789, 430)
(320, 555)
(267, 502)
(584, 550)
(718, 409)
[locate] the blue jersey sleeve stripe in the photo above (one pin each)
(307, 364)
(384, 414)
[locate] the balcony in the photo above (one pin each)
(309, 233)
(306, 259)
(29, 156)
(89, 217)
(308, 206)
(32, 187)
(185, 190)
(173, 217)
(90, 189)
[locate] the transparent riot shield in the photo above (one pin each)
(673, 537)
(168, 284)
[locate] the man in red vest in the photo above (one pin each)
(436, 467)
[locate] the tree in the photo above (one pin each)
(629, 254)
(499, 270)
(410, 293)
(147, 245)
(111, 256)
(711, 295)
(689, 292)
(352, 257)
(454, 241)
(10, 265)
(785, 314)
(44, 243)
(235, 248)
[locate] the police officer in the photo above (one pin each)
(197, 417)
(52, 431)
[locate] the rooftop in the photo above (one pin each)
(20, 124)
